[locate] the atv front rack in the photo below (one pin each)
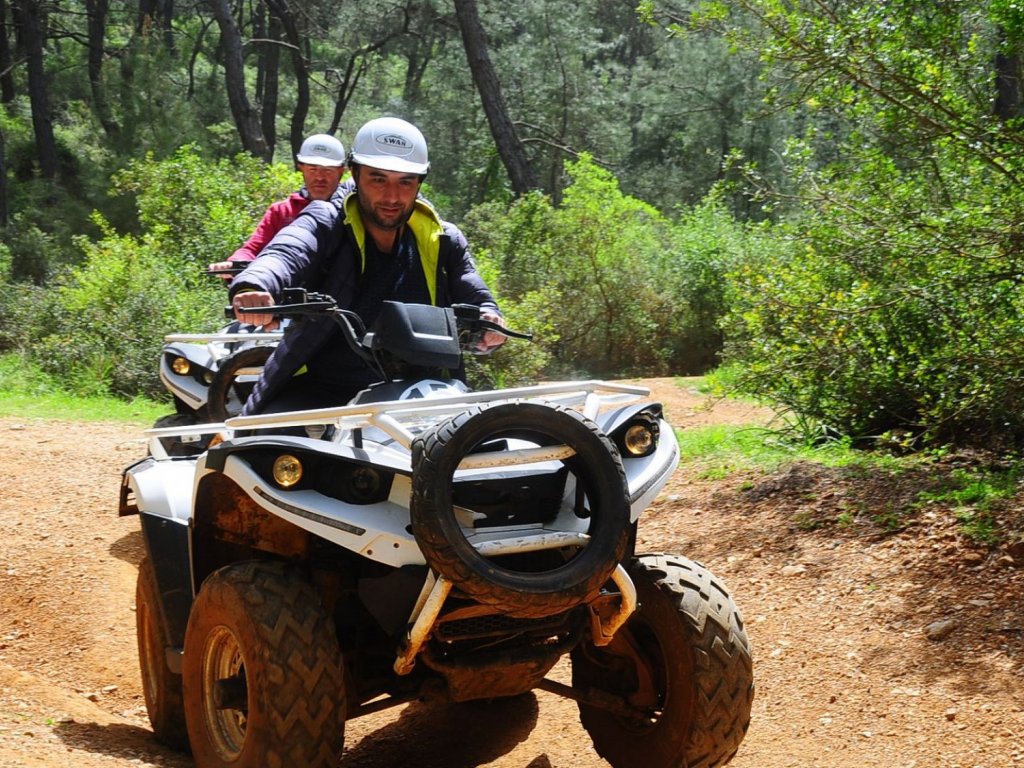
(589, 396)
(222, 338)
(402, 419)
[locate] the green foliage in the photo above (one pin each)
(114, 311)
(44, 214)
(99, 327)
(28, 393)
(199, 211)
(975, 495)
(891, 307)
(626, 290)
(904, 321)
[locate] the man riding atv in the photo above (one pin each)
(381, 242)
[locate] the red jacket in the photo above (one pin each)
(278, 216)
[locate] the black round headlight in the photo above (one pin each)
(638, 437)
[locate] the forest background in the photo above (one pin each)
(824, 196)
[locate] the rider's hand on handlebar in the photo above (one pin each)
(255, 299)
(220, 266)
(491, 339)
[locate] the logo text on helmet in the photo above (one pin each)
(394, 141)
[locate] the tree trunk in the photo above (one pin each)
(6, 59)
(96, 11)
(268, 78)
(156, 15)
(346, 87)
(510, 148)
(297, 42)
(247, 120)
(357, 66)
(197, 49)
(1009, 103)
(427, 37)
(165, 17)
(3, 181)
(33, 37)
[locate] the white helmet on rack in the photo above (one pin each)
(391, 144)
(321, 149)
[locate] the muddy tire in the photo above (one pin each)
(161, 687)
(682, 662)
(226, 395)
(530, 592)
(262, 673)
(174, 445)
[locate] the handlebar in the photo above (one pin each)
(230, 271)
(411, 333)
(297, 302)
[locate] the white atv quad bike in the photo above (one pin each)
(210, 376)
(430, 543)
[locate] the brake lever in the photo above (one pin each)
(297, 302)
(488, 325)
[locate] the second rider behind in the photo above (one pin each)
(321, 161)
(380, 243)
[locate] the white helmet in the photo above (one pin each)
(391, 144)
(321, 149)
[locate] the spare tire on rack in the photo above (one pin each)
(226, 397)
(522, 588)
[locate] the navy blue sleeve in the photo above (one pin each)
(465, 285)
(297, 253)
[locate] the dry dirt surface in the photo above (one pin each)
(871, 647)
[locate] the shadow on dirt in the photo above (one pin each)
(116, 740)
(426, 736)
(448, 736)
(129, 548)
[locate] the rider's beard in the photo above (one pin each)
(388, 221)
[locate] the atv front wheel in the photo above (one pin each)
(681, 663)
(263, 673)
(161, 687)
(536, 584)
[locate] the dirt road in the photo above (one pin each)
(839, 620)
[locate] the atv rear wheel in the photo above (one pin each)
(161, 687)
(226, 396)
(682, 662)
(533, 587)
(263, 673)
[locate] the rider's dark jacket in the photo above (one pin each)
(323, 250)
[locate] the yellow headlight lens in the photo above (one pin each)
(638, 440)
(287, 470)
(181, 366)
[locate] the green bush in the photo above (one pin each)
(114, 311)
(197, 211)
(625, 290)
(895, 317)
(99, 327)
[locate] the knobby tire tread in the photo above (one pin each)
(430, 453)
(161, 687)
(298, 667)
(713, 725)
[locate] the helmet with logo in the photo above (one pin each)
(391, 144)
(321, 149)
